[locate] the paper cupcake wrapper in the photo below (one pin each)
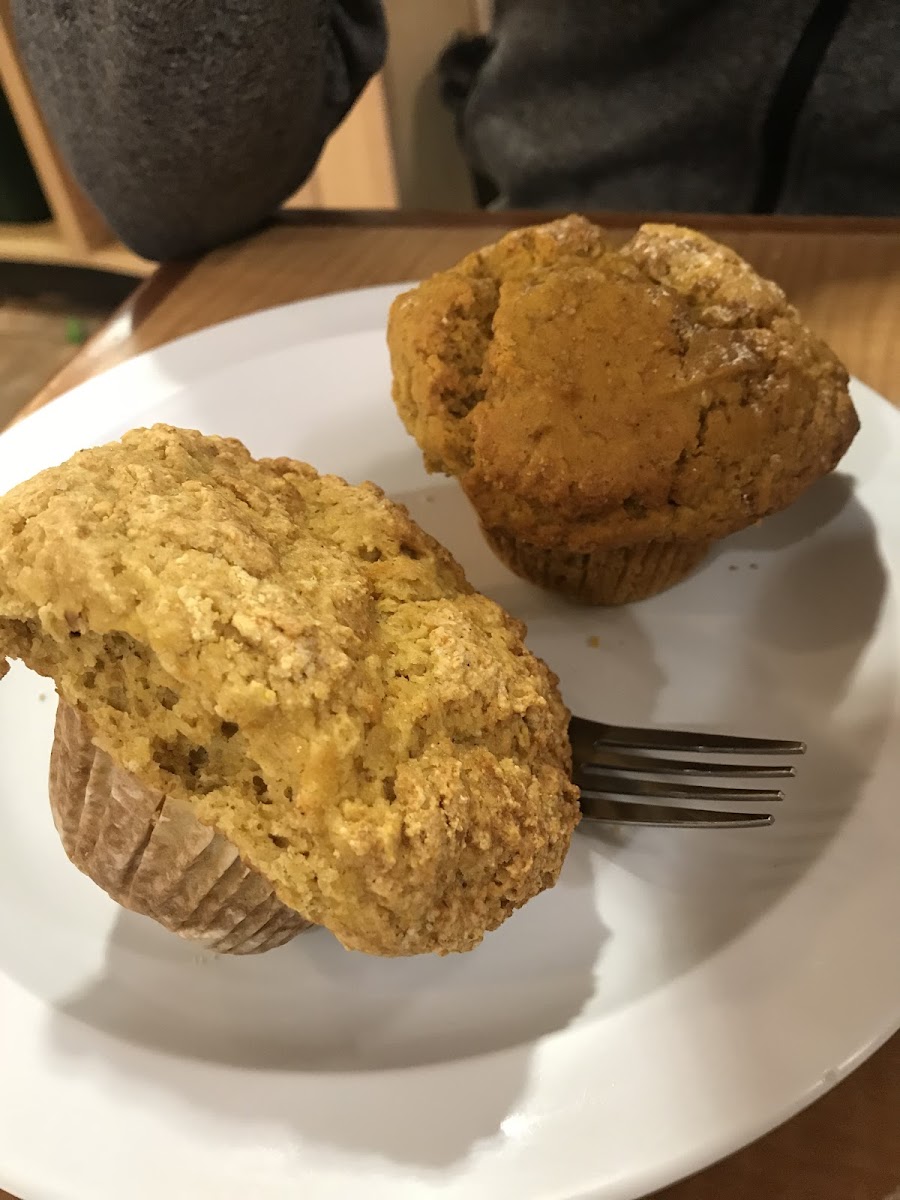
(617, 576)
(151, 854)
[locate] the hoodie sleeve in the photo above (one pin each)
(188, 122)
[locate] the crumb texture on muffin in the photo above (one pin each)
(591, 397)
(299, 662)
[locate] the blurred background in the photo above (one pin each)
(61, 271)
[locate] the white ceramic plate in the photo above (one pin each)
(676, 995)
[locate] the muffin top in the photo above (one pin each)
(584, 393)
(295, 658)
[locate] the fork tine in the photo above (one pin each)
(613, 812)
(618, 785)
(596, 734)
(617, 760)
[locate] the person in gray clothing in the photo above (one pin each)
(189, 121)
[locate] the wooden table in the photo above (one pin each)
(844, 275)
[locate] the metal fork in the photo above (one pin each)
(610, 761)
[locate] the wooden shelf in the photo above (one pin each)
(44, 243)
(76, 220)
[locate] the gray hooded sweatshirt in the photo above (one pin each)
(189, 121)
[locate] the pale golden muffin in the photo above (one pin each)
(298, 663)
(611, 412)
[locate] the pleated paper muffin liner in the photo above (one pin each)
(151, 854)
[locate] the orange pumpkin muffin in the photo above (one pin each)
(611, 412)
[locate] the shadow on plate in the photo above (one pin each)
(817, 508)
(416, 1118)
(295, 1022)
(814, 603)
(314, 1006)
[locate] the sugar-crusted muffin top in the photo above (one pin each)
(585, 394)
(308, 669)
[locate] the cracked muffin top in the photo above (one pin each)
(306, 668)
(586, 394)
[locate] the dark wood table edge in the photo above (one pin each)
(738, 222)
